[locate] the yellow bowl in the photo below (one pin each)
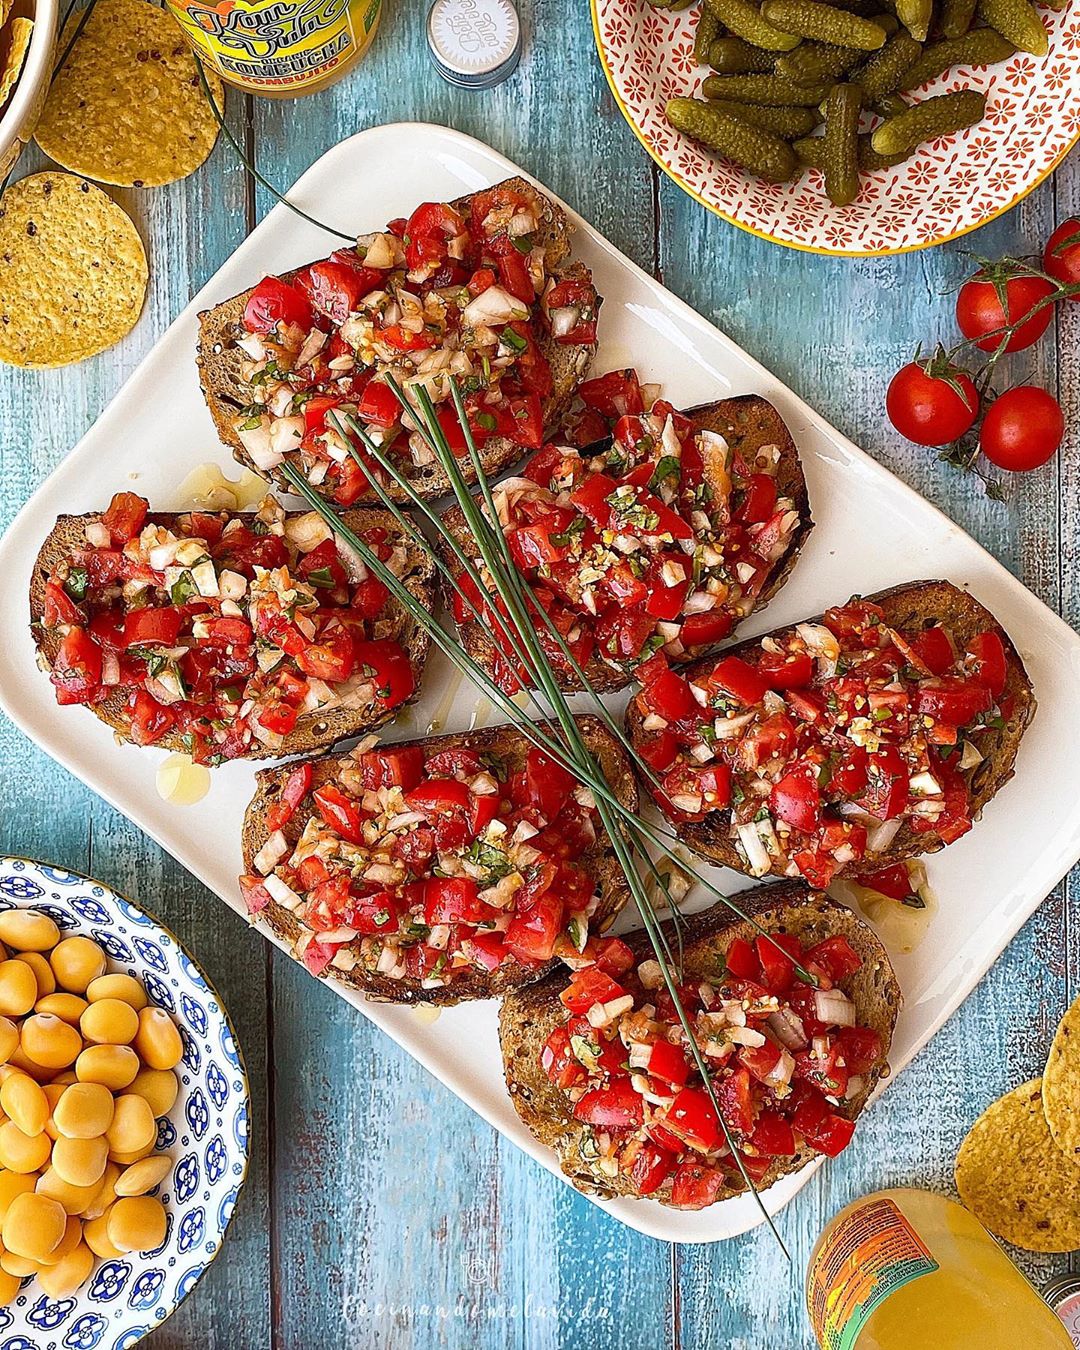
(24, 107)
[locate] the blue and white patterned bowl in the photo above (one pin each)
(206, 1132)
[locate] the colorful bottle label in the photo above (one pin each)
(865, 1257)
(278, 44)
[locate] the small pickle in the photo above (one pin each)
(884, 72)
(841, 144)
(929, 119)
(981, 47)
(733, 56)
(817, 62)
(771, 89)
(824, 23)
(745, 21)
(1018, 21)
(760, 152)
(786, 122)
(956, 17)
(706, 31)
(674, 5)
(811, 153)
(915, 15)
(889, 105)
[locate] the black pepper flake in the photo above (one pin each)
(31, 228)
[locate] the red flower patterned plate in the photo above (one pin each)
(948, 187)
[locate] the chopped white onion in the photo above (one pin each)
(786, 1025)
(834, 1008)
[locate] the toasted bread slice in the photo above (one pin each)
(747, 423)
(220, 361)
(529, 1016)
(315, 730)
(915, 605)
(510, 746)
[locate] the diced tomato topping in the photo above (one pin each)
(589, 986)
(341, 812)
(733, 676)
(274, 302)
(695, 1186)
(125, 517)
(987, 662)
(559, 1062)
(76, 668)
(392, 766)
(615, 1106)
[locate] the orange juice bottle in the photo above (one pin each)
(279, 48)
(907, 1270)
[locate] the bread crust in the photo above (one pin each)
(510, 745)
(747, 423)
(530, 1015)
(313, 731)
(915, 604)
(219, 363)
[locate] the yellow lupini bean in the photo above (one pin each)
(9, 1039)
(106, 1192)
(25, 930)
(75, 1199)
(113, 1065)
(43, 973)
(80, 1162)
(18, 988)
(62, 1279)
(13, 1184)
(137, 1224)
(96, 1237)
(143, 1176)
(133, 1125)
(75, 962)
(160, 1088)
(124, 987)
(20, 1062)
(134, 1156)
(9, 1287)
(158, 1042)
(84, 1111)
(68, 1007)
(49, 1042)
(109, 1021)
(25, 1103)
(34, 1226)
(22, 1152)
(19, 1266)
(53, 1092)
(67, 1244)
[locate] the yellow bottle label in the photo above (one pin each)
(866, 1257)
(278, 44)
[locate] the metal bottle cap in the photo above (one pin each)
(475, 44)
(1063, 1295)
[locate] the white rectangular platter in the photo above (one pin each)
(872, 531)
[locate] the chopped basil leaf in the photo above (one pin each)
(513, 340)
(77, 582)
(322, 577)
(183, 588)
(667, 467)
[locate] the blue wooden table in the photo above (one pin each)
(379, 1211)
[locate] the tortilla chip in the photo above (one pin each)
(1015, 1179)
(14, 44)
(72, 271)
(128, 107)
(1061, 1084)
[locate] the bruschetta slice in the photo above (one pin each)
(662, 540)
(480, 288)
(873, 733)
(437, 870)
(228, 636)
(598, 1068)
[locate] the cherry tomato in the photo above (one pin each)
(980, 315)
(1061, 257)
(1023, 428)
(931, 409)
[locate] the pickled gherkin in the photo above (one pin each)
(885, 71)
(744, 19)
(840, 149)
(771, 89)
(889, 105)
(810, 151)
(733, 56)
(824, 23)
(927, 120)
(816, 62)
(915, 15)
(705, 34)
(956, 17)
(1018, 21)
(980, 47)
(753, 148)
(786, 122)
